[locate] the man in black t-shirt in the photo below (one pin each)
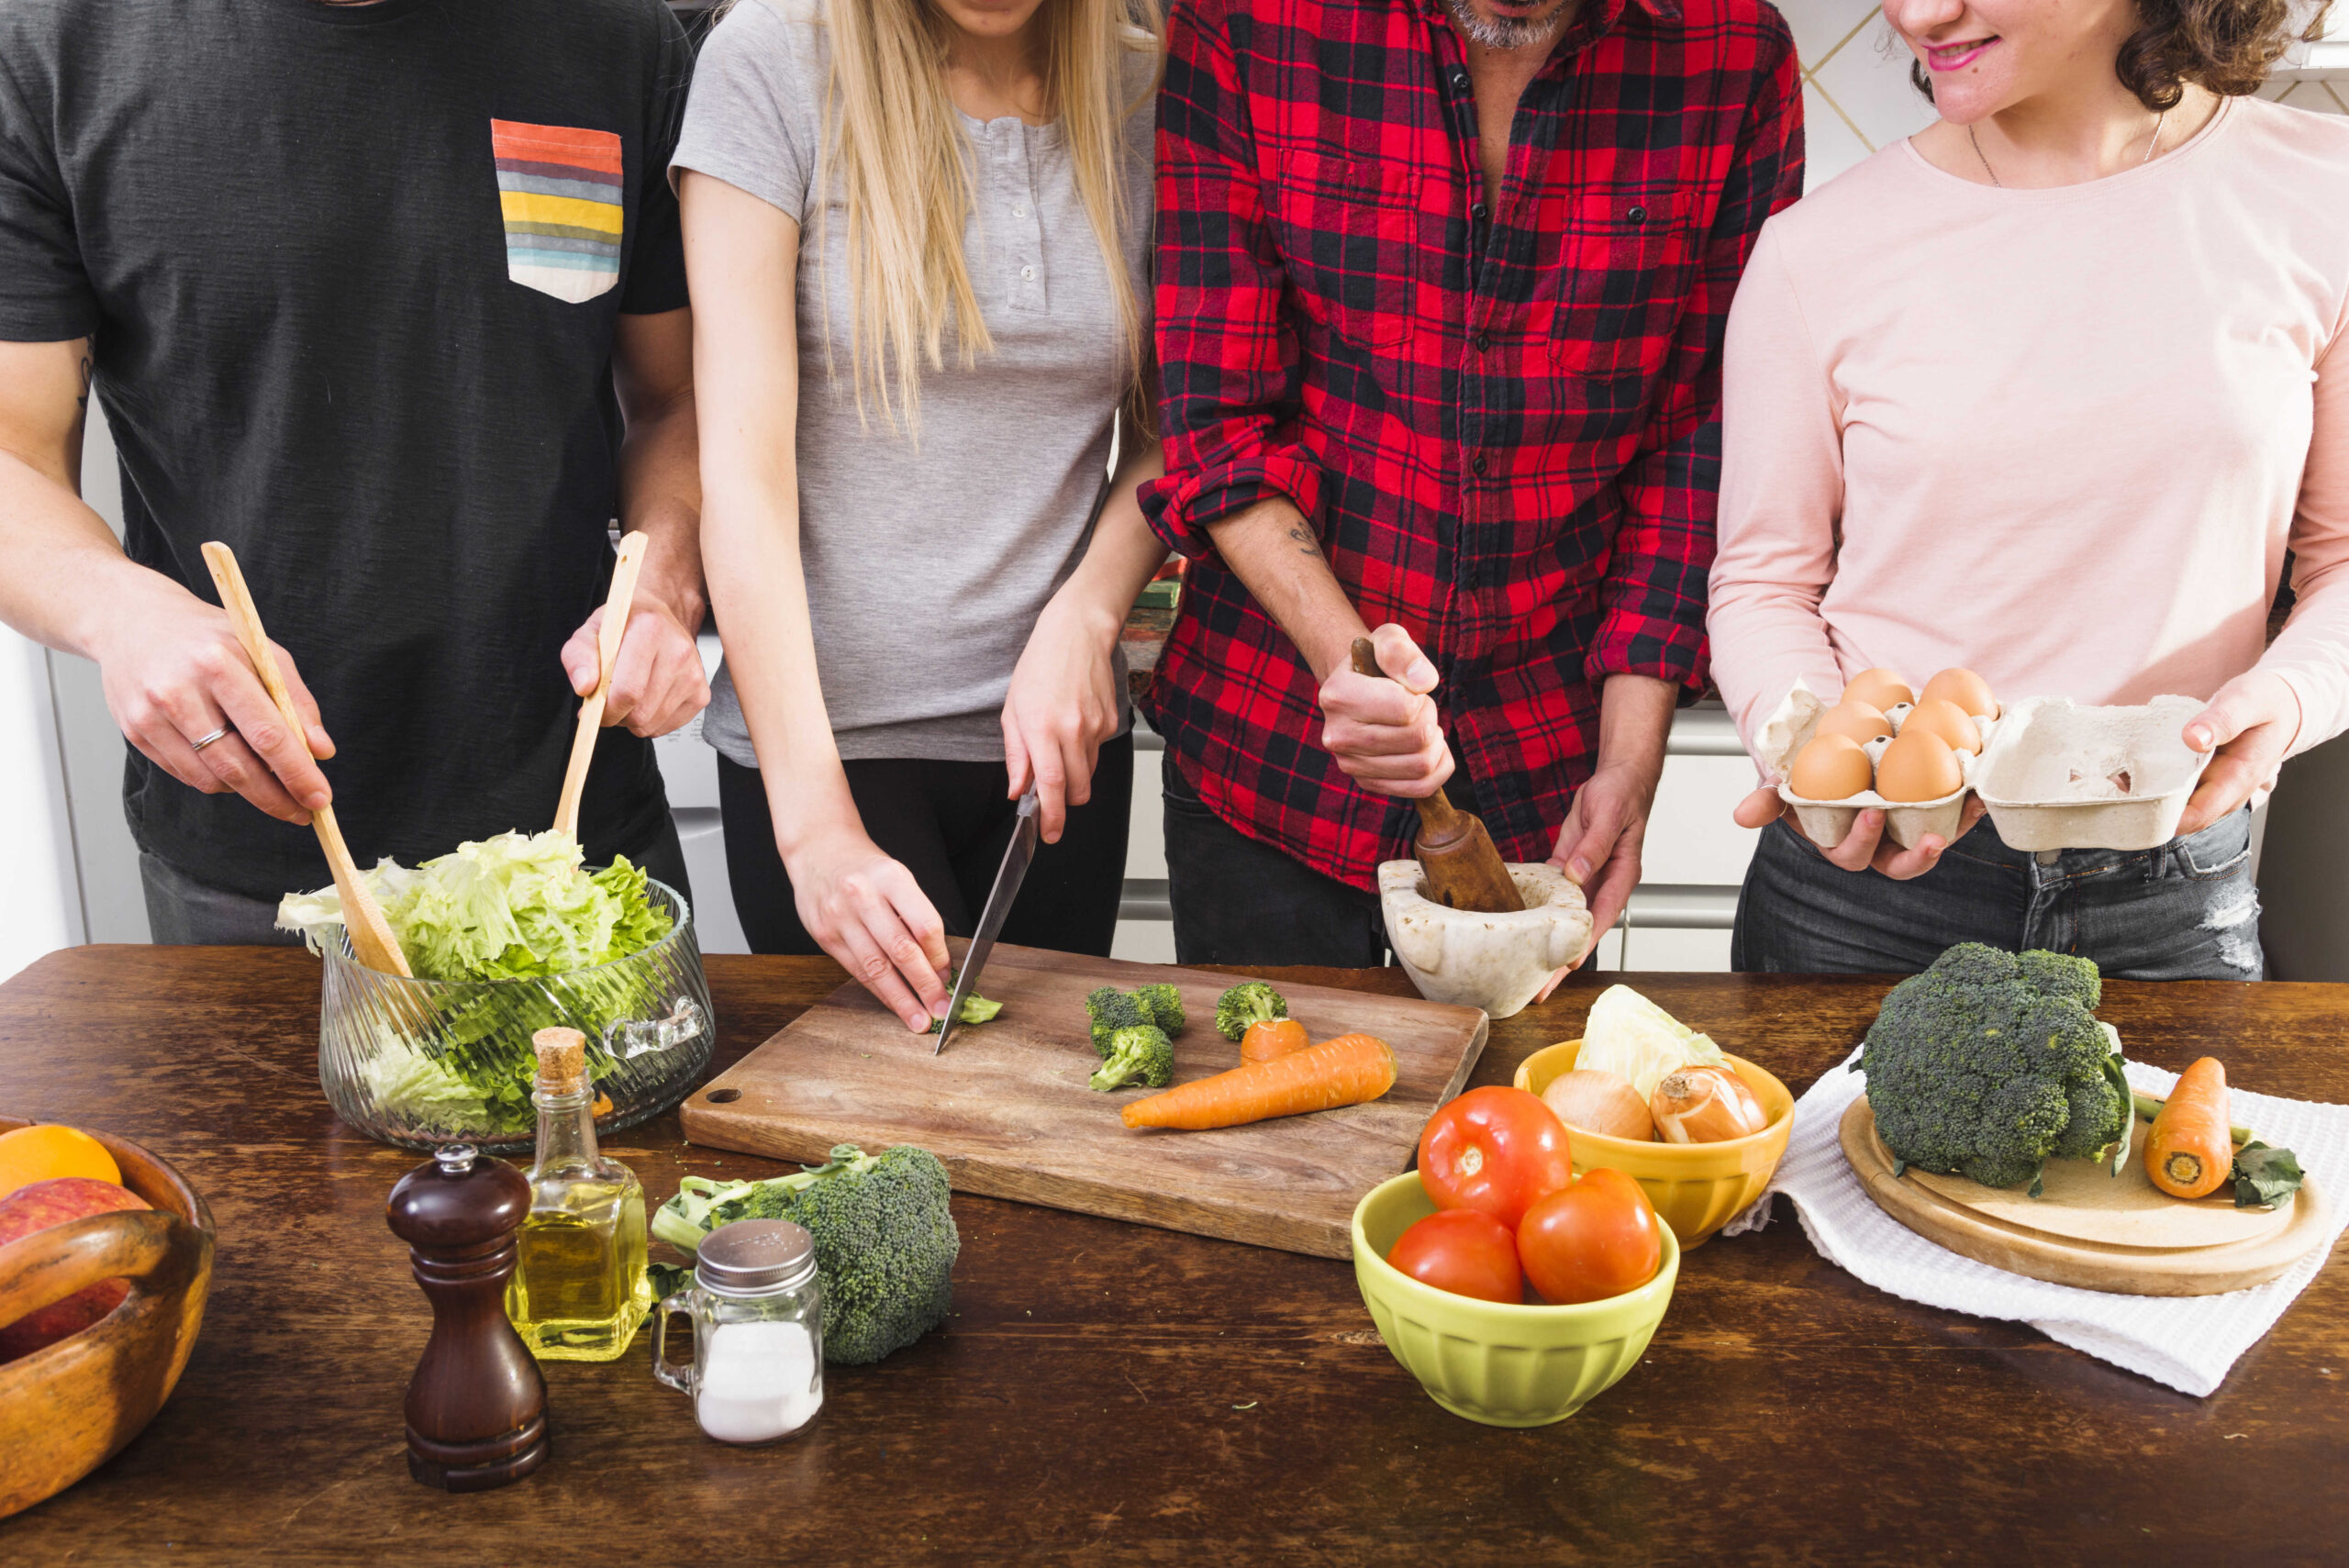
(388, 295)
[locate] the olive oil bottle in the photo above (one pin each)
(579, 1291)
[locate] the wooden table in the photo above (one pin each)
(1106, 1391)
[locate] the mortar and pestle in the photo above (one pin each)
(1469, 929)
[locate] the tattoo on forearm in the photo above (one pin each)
(1306, 543)
(83, 397)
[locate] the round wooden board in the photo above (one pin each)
(2203, 1270)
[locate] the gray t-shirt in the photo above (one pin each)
(927, 567)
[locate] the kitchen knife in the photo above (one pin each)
(1016, 856)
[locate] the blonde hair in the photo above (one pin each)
(902, 159)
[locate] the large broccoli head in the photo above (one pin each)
(1110, 1011)
(885, 1246)
(1161, 1005)
(1987, 1065)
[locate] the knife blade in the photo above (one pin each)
(1007, 878)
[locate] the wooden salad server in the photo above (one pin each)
(1464, 872)
(608, 652)
(371, 935)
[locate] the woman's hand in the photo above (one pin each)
(2252, 722)
(1062, 705)
(1865, 847)
(868, 912)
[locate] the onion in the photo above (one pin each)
(1600, 1102)
(1705, 1105)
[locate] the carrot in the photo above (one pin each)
(2190, 1152)
(1271, 1038)
(1341, 1071)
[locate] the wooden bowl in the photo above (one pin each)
(67, 1408)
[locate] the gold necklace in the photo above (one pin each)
(2159, 120)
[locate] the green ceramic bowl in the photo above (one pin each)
(1506, 1366)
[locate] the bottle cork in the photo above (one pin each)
(563, 1060)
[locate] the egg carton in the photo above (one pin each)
(2066, 776)
(1827, 823)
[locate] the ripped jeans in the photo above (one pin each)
(2187, 910)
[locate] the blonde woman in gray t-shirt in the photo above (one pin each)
(918, 558)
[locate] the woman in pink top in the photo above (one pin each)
(2048, 391)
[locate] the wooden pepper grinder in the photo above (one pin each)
(1464, 872)
(478, 1406)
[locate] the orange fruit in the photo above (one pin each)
(39, 1153)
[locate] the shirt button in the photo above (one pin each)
(1460, 81)
(1483, 342)
(1476, 464)
(1638, 215)
(1028, 273)
(1019, 211)
(1480, 212)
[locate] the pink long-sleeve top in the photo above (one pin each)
(2061, 437)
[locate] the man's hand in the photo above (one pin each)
(657, 682)
(1383, 731)
(1062, 705)
(2253, 722)
(1865, 847)
(1599, 842)
(868, 912)
(173, 673)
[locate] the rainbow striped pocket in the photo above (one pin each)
(559, 189)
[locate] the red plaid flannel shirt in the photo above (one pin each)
(1504, 425)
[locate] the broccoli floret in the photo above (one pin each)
(1111, 1010)
(1163, 1006)
(1988, 1064)
(885, 1235)
(975, 1010)
(1250, 1001)
(1141, 1051)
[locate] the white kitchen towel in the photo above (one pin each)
(2188, 1343)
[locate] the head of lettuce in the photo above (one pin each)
(514, 908)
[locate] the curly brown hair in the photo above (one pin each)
(2227, 46)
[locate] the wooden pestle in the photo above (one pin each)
(1464, 872)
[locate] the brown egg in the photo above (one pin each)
(1965, 689)
(1832, 767)
(1918, 766)
(1855, 720)
(1938, 716)
(1879, 688)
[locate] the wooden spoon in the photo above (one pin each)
(608, 652)
(371, 935)
(1464, 872)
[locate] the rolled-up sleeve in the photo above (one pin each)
(1229, 359)
(1653, 601)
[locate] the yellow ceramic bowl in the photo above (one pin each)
(1506, 1366)
(1697, 1187)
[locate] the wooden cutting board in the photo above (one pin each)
(1007, 1109)
(2089, 1227)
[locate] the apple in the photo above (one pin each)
(36, 1206)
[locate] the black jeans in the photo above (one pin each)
(1239, 901)
(949, 823)
(2187, 910)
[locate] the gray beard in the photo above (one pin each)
(1503, 32)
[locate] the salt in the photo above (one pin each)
(757, 1382)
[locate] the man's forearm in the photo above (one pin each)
(1272, 547)
(1634, 722)
(659, 482)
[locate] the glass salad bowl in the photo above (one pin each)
(423, 1062)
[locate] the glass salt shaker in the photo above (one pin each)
(757, 1373)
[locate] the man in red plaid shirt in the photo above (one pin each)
(1440, 292)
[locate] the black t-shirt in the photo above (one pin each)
(352, 276)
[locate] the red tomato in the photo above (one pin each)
(1498, 1150)
(1464, 1251)
(1597, 1239)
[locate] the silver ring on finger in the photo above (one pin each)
(219, 734)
